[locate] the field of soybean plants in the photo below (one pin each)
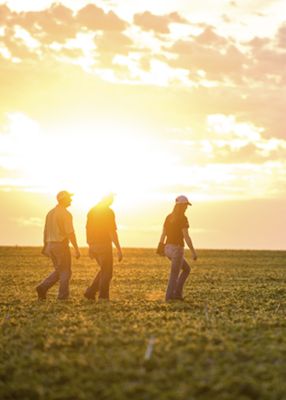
(226, 341)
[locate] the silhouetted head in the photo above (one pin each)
(181, 205)
(183, 202)
(107, 200)
(64, 198)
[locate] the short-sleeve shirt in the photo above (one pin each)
(100, 224)
(174, 229)
(59, 225)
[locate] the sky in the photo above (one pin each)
(148, 100)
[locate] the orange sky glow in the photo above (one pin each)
(148, 100)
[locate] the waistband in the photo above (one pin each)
(65, 242)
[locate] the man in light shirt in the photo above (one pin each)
(58, 233)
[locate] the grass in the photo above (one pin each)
(225, 342)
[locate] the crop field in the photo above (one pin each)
(226, 341)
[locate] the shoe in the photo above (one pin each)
(88, 296)
(41, 293)
(179, 298)
(103, 300)
(176, 298)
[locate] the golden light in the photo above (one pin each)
(99, 159)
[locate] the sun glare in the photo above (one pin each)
(106, 158)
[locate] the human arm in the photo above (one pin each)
(189, 243)
(73, 241)
(160, 248)
(115, 240)
(163, 236)
(89, 230)
(44, 248)
(70, 233)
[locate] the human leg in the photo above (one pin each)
(48, 282)
(64, 277)
(185, 272)
(93, 288)
(175, 254)
(106, 264)
(64, 268)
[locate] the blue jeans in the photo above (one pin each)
(101, 283)
(179, 273)
(59, 252)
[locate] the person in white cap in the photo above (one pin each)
(175, 233)
(58, 232)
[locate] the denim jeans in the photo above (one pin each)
(59, 252)
(101, 283)
(179, 273)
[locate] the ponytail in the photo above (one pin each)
(177, 213)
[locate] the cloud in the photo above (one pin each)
(281, 36)
(229, 141)
(30, 222)
(216, 56)
(55, 24)
(209, 38)
(5, 14)
(157, 23)
(94, 18)
(208, 57)
(221, 74)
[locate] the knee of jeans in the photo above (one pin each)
(109, 275)
(186, 268)
(65, 276)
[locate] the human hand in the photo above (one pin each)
(91, 252)
(119, 255)
(44, 251)
(161, 249)
(194, 256)
(77, 254)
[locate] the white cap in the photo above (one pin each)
(183, 200)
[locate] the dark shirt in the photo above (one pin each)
(174, 229)
(100, 224)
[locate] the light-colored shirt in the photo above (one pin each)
(59, 225)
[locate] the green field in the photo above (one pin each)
(226, 341)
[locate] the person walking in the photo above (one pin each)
(175, 232)
(58, 233)
(101, 232)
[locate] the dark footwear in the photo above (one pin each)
(103, 300)
(41, 293)
(176, 298)
(88, 296)
(179, 298)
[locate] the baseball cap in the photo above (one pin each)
(64, 195)
(183, 200)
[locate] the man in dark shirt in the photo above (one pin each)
(101, 232)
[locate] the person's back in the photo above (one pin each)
(174, 226)
(100, 233)
(100, 225)
(58, 225)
